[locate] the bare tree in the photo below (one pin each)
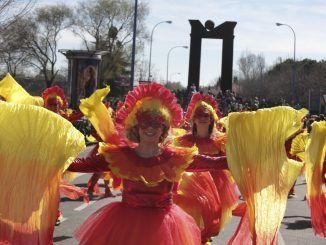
(14, 56)
(251, 66)
(43, 32)
(251, 74)
(11, 10)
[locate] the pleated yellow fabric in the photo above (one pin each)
(315, 161)
(258, 162)
(36, 146)
(299, 144)
(98, 114)
(11, 91)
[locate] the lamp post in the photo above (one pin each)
(294, 65)
(167, 60)
(150, 49)
(133, 54)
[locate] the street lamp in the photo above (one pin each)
(167, 60)
(133, 52)
(150, 50)
(294, 65)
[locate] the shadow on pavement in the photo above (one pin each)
(66, 199)
(291, 217)
(298, 225)
(61, 238)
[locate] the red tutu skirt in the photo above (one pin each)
(119, 223)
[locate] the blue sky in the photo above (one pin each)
(255, 32)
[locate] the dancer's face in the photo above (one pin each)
(53, 105)
(202, 117)
(150, 132)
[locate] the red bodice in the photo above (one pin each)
(212, 146)
(137, 194)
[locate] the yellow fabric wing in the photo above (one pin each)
(11, 91)
(298, 145)
(94, 109)
(258, 162)
(315, 162)
(36, 146)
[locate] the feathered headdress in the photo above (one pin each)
(147, 102)
(57, 93)
(208, 102)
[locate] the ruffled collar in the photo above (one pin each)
(165, 154)
(125, 163)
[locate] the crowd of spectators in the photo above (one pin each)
(229, 101)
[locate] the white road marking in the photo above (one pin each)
(63, 219)
(80, 174)
(84, 205)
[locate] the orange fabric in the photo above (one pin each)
(72, 192)
(198, 196)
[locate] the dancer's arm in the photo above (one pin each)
(91, 163)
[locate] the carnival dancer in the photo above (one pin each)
(55, 100)
(210, 204)
(146, 214)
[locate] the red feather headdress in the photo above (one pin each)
(199, 100)
(55, 92)
(153, 99)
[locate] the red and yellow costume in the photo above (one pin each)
(146, 214)
(208, 196)
(56, 101)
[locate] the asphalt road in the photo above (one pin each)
(295, 228)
